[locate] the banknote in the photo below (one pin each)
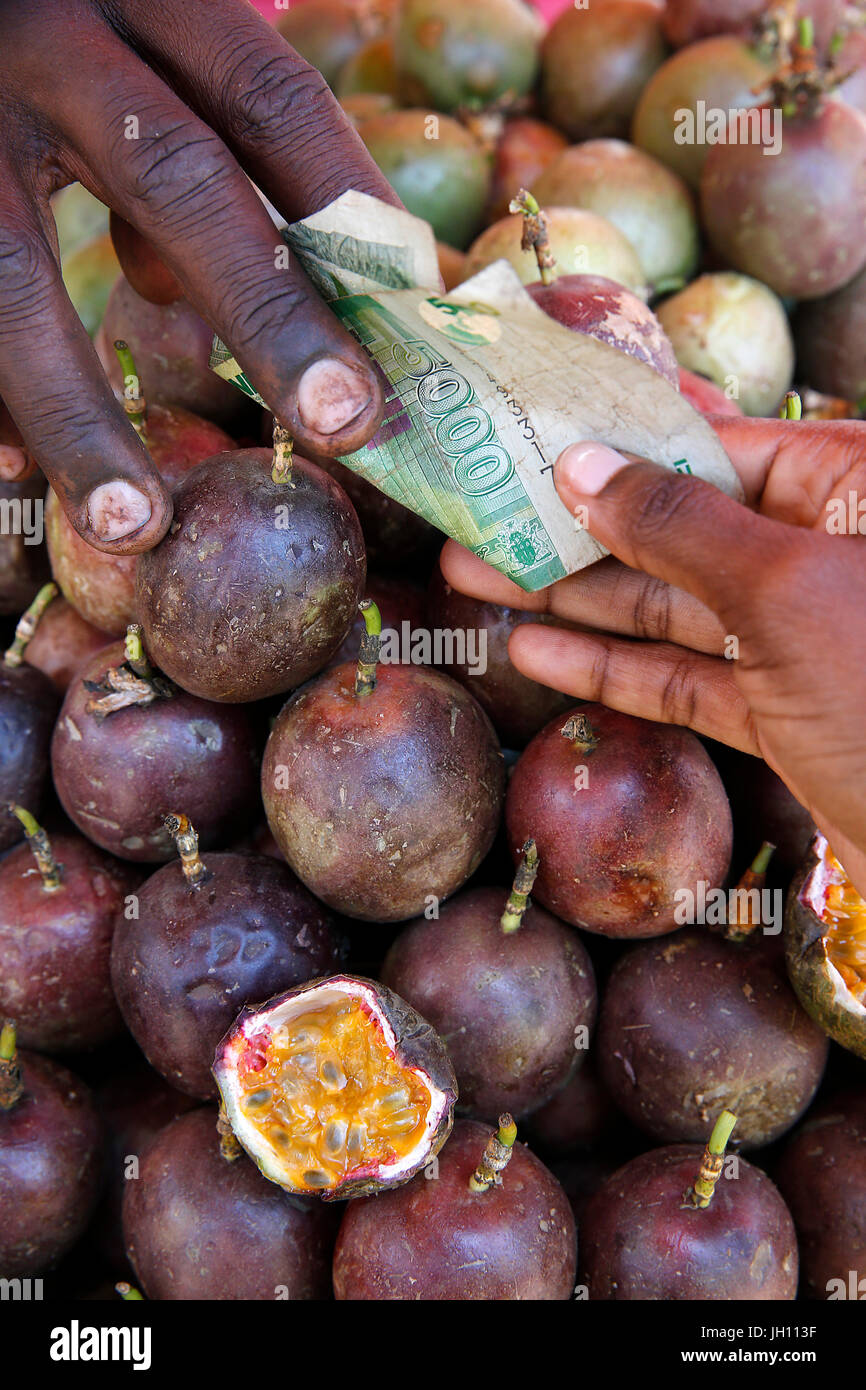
(482, 392)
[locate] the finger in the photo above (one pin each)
(57, 394)
(605, 595)
(177, 183)
(272, 109)
(790, 468)
(672, 526)
(659, 681)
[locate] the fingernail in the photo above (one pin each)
(331, 394)
(587, 468)
(13, 462)
(116, 509)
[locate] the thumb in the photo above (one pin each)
(670, 525)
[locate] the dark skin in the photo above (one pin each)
(690, 568)
(217, 95)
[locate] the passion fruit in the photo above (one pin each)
(329, 32)
(337, 1088)
(491, 1224)
(822, 1176)
(62, 643)
(735, 331)
(208, 938)
(605, 310)
(258, 580)
(524, 149)
(673, 1225)
(581, 243)
(128, 744)
(686, 21)
(650, 204)
(829, 334)
(477, 634)
(382, 788)
(394, 537)
(28, 708)
(89, 273)
(201, 1225)
(436, 168)
(705, 395)
(722, 73)
(23, 558)
(55, 938)
(371, 69)
(50, 1159)
(696, 1023)
(509, 988)
(625, 813)
(825, 947)
(451, 55)
(757, 218)
(595, 61)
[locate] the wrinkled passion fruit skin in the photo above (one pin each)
(818, 991)
(236, 606)
(693, 1025)
(199, 1227)
(652, 819)
(118, 777)
(594, 64)
(509, 1006)
(603, 309)
(417, 1045)
(389, 797)
(757, 218)
(648, 202)
(445, 179)
(193, 957)
(55, 946)
(451, 55)
(687, 21)
(50, 1167)
(829, 334)
(822, 1176)
(170, 344)
(437, 1240)
(102, 586)
(28, 707)
(518, 707)
(724, 72)
(638, 1241)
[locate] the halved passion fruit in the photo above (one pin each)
(825, 947)
(337, 1088)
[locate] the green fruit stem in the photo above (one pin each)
(579, 732)
(128, 1293)
(701, 1194)
(496, 1156)
(368, 656)
(281, 471)
(518, 899)
(134, 655)
(40, 846)
(133, 401)
(27, 624)
(11, 1087)
(740, 922)
(535, 234)
(178, 825)
(791, 407)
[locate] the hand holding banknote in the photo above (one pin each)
(747, 624)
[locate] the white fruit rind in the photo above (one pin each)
(814, 895)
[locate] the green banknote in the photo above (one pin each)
(482, 392)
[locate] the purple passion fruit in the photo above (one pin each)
(830, 334)
(523, 151)
(609, 312)
(28, 708)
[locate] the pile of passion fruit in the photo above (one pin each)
(322, 972)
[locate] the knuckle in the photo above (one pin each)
(262, 312)
(274, 100)
(167, 170)
(24, 278)
(65, 427)
(652, 610)
(658, 505)
(678, 696)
